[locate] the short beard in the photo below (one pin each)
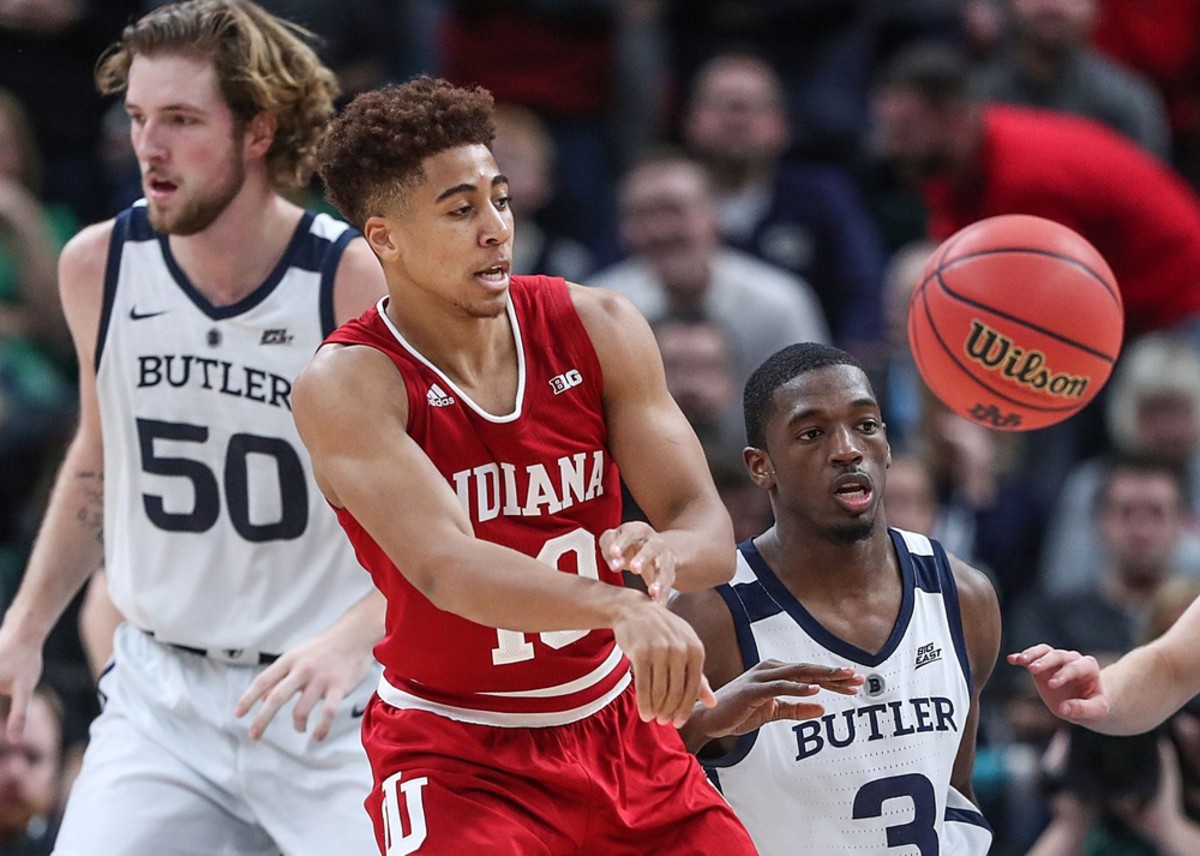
(859, 530)
(201, 213)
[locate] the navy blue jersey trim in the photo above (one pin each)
(112, 269)
(749, 651)
(329, 269)
(953, 612)
(963, 815)
(780, 593)
(295, 246)
(139, 224)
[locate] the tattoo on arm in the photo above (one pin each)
(91, 514)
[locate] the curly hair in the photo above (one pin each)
(264, 65)
(375, 151)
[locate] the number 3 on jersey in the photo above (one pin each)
(512, 645)
(293, 490)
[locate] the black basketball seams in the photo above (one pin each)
(953, 355)
(1112, 290)
(949, 292)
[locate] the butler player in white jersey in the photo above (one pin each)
(191, 314)
(830, 592)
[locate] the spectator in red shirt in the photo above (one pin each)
(973, 160)
(1160, 39)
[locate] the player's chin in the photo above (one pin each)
(853, 531)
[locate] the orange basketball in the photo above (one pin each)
(1016, 322)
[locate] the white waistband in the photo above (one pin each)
(398, 698)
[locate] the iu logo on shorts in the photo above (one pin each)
(403, 825)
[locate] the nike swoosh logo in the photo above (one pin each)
(134, 315)
(356, 712)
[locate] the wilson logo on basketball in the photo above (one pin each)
(996, 352)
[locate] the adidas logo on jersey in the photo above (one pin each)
(927, 654)
(438, 397)
(567, 380)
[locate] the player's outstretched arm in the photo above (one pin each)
(320, 670)
(749, 699)
(658, 455)
(69, 544)
(352, 411)
(1130, 696)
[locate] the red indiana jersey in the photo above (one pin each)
(539, 480)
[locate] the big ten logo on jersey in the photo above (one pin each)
(403, 813)
(567, 380)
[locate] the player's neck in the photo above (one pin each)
(478, 354)
(814, 562)
(237, 252)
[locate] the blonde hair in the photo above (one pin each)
(1156, 364)
(264, 64)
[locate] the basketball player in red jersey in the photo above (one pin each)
(468, 431)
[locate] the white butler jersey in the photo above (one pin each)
(871, 776)
(215, 534)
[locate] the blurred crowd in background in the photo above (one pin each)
(753, 173)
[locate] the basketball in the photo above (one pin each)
(1015, 322)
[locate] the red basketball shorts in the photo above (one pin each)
(608, 785)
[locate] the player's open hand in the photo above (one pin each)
(668, 662)
(637, 548)
(321, 671)
(1068, 682)
(766, 692)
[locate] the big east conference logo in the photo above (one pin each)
(998, 353)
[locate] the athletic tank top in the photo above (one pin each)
(215, 533)
(874, 772)
(540, 480)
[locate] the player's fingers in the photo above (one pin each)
(680, 696)
(273, 702)
(21, 693)
(655, 564)
(842, 679)
(621, 546)
(707, 697)
(642, 669)
(1024, 658)
(660, 678)
(1051, 662)
(1084, 709)
(262, 684)
(796, 710)
(309, 697)
(329, 712)
(1085, 670)
(776, 689)
(692, 689)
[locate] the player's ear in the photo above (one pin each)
(762, 471)
(378, 233)
(887, 463)
(260, 134)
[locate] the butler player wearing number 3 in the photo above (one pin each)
(468, 430)
(191, 315)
